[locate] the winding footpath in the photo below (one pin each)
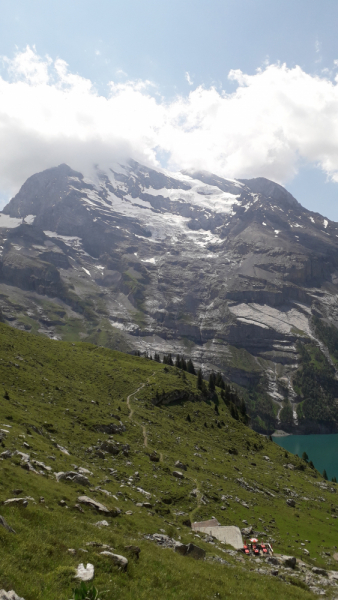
(145, 443)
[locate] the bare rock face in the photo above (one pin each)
(236, 268)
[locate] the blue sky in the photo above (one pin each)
(180, 46)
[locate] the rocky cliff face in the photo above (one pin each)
(234, 273)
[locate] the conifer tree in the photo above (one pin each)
(199, 379)
(190, 367)
(325, 475)
(212, 382)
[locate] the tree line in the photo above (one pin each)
(229, 395)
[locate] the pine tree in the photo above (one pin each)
(178, 362)
(190, 367)
(325, 475)
(219, 381)
(188, 418)
(305, 457)
(212, 382)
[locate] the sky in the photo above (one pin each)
(242, 88)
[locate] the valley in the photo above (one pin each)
(81, 427)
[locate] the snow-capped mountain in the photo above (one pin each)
(230, 272)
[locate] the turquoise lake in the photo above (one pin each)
(321, 449)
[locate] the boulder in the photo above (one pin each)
(72, 476)
(24, 457)
(291, 502)
(84, 471)
(4, 524)
(85, 573)
(180, 465)
(117, 559)
(111, 428)
(319, 571)
(41, 465)
(9, 595)
(16, 502)
(289, 561)
(102, 524)
(190, 550)
(273, 560)
(247, 530)
(98, 506)
(6, 454)
(178, 474)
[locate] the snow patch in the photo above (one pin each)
(9, 222)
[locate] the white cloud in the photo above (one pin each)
(274, 120)
(188, 78)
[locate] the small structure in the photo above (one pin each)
(228, 534)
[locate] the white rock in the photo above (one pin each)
(85, 573)
(117, 559)
(102, 524)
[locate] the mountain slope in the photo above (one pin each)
(60, 405)
(231, 273)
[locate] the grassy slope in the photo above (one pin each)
(64, 391)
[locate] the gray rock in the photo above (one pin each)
(6, 454)
(178, 474)
(291, 502)
(24, 457)
(73, 476)
(190, 550)
(16, 502)
(319, 571)
(114, 512)
(117, 559)
(247, 530)
(41, 465)
(289, 561)
(102, 524)
(273, 560)
(180, 465)
(4, 524)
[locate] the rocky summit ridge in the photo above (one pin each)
(235, 274)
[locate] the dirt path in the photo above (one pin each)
(128, 401)
(130, 416)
